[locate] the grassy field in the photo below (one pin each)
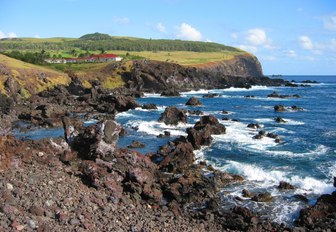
(183, 57)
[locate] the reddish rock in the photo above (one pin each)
(36, 210)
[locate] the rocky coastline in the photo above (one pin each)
(85, 182)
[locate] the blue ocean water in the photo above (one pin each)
(306, 157)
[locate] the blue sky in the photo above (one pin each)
(287, 36)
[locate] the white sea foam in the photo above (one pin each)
(159, 108)
(238, 135)
(193, 92)
(157, 128)
(156, 95)
(331, 133)
(125, 114)
(264, 178)
(89, 122)
(288, 121)
(253, 88)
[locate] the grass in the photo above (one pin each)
(183, 57)
(29, 76)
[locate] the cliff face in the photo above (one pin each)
(242, 71)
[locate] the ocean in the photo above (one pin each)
(305, 157)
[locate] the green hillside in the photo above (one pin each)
(98, 41)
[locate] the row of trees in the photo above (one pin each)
(116, 44)
(30, 57)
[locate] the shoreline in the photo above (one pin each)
(68, 159)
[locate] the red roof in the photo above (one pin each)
(94, 57)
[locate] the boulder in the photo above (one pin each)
(124, 103)
(262, 197)
(285, 186)
(6, 104)
(280, 120)
(210, 95)
(149, 106)
(321, 216)
(211, 123)
(12, 86)
(165, 134)
(279, 108)
(254, 126)
(176, 156)
(76, 87)
(136, 144)
(173, 116)
(193, 101)
(199, 138)
(296, 108)
(96, 141)
(195, 112)
(170, 93)
(200, 134)
(246, 193)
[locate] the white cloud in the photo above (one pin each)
(289, 53)
(37, 36)
(257, 36)
(234, 35)
(333, 44)
(209, 41)
(269, 58)
(187, 32)
(330, 23)
(161, 28)
(121, 20)
(306, 42)
(11, 35)
(251, 49)
(8, 35)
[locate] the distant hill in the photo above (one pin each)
(98, 41)
(95, 36)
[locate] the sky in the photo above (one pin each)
(289, 37)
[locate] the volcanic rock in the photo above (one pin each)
(285, 186)
(262, 197)
(173, 116)
(254, 126)
(279, 108)
(149, 106)
(170, 93)
(193, 101)
(280, 120)
(136, 144)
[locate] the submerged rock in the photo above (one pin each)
(136, 144)
(211, 95)
(285, 186)
(279, 108)
(254, 126)
(262, 197)
(280, 120)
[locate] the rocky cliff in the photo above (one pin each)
(241, 71)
